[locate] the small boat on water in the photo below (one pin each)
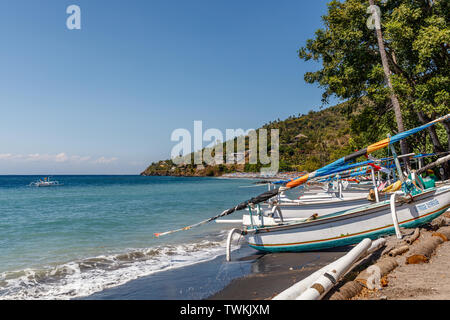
(46, 182)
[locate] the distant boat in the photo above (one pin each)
(46, 182)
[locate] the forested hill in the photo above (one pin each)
(307, 142)
(310, 141)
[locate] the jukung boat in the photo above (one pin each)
(284, 209)
(46, 182)
(414, 206)
(351, 226)
(346, 227)
(338, 197)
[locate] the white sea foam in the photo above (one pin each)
(85, 277)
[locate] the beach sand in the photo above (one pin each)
(426, 281)
(275, 272)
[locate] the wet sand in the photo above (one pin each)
(273, 273)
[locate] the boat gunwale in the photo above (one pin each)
(320, 201)
(347, 214)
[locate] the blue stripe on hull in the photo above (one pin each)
(348, 240)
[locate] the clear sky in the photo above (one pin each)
(106, 98)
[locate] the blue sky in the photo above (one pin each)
(106, 98)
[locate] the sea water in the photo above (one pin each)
(97, 232)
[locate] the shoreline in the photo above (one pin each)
(250, 275)
(192, 282)
(235, 175)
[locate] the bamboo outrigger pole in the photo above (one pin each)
(262, 197)
(363, 152)
(434, 164)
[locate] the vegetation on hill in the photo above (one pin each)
(307, 142)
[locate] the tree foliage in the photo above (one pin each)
(416, 36)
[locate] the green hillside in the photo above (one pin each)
(307, 142)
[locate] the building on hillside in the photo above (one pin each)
(300, 136)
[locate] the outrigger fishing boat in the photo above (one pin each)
(415, 205)
(282, 209)
(46, 182)
(351, 226)
(337, 197)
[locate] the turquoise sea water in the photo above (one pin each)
(96, 232)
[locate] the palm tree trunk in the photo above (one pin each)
(437, 146)
(394, 99)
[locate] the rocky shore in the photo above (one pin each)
(166, 168)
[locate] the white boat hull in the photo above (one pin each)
(351, 226)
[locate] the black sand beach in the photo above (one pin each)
(275, 272)
(251, 275)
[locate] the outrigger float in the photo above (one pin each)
(415, 205)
